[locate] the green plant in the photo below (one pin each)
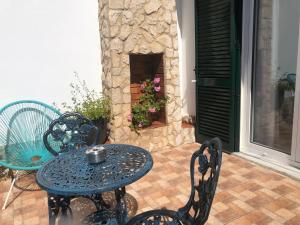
(285, 83)
(89, 103)
(150, 102)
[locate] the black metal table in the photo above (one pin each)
(70, 174)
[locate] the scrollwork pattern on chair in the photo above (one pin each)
(69, 131)
(204, 172)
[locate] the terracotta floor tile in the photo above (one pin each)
(259, 200)
(294, 221)
(258, 217)
(246, 194)
(283, 189)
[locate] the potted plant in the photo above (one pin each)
(286, 93)
(150, 103)
(92, 105)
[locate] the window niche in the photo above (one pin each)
(143, 67)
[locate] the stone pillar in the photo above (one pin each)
(140, 27)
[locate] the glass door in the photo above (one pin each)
(274, 73)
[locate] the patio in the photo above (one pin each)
(246, 193)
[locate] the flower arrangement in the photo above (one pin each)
(150, 102)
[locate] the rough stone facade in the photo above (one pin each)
(141, 27)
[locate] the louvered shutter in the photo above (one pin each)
(216, 105)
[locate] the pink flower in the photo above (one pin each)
(156, 80)
(152, 110)
(157, 89)
(129, 118)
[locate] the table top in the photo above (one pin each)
(71, 174)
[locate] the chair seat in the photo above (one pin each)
(159, 217)
(32, 156)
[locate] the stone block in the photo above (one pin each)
(126, 98)
(169, 4)
(116, 96)
(126, 89)
(173, 30)
(131, 42)
(116, 109)
(115, 59)
(116, 4)
(148, 37)
(169, 52)
(116, 71)
(125, 59)
(137, 3)
(114, 31)
(167, 17)
(118, 121)
(114, 17)
(156, 47)
(144, 47)
(152, 6)
(125, 31)
(127, 17)
(117, 45)
(165, 40)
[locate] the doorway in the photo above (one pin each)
(270, 105)
(217, 42)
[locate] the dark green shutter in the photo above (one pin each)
(216, 72)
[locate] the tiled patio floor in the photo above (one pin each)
(246, 194)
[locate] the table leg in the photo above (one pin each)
(53, 209)
(121, 210)
(99, 202)
(55, 203)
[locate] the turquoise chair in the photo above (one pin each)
(22, 125)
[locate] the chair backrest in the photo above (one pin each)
(22, 125)
(68, 132)
(205, 162)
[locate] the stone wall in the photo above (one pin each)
(143, 27)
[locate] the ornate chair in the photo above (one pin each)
(207, 162)
(22, 125)
(68, 132)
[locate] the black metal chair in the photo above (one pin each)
(68, 132)
(207, 162)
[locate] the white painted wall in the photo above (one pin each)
(186, 36)
(42, 43)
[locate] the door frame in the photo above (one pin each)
(255, 150)
(295, 154)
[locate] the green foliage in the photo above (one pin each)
(285, 84)
(149, 102)
(87, 102)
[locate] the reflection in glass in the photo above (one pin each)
(274, 73)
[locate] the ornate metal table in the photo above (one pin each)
(70, 174)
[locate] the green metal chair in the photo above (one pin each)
(22, 125)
